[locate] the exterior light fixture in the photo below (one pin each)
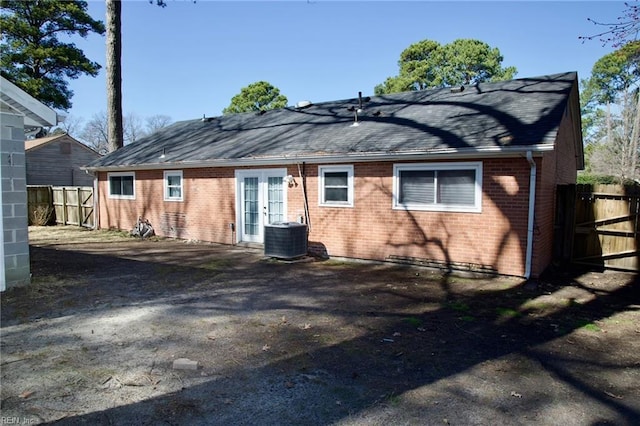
(289, 180)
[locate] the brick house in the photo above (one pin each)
(460, 178)
(56, 160)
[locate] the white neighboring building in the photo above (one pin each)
(19, 112)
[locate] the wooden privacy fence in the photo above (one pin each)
(69, 205)
(73, 205)
(600, 225)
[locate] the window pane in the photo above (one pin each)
(336, 179)
(173, 180)
(456, 187)
(417, 187)
(127, 185)
(175, 192)
(336, 194)
(115, 185)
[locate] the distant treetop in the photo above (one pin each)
(428, 65)
(258, 96)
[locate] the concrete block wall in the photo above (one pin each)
(14, 248)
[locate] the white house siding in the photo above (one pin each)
(14, 250)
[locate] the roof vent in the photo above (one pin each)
(361, 100)
(303, 104)
(457, 89)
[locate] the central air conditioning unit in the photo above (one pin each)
(285, 240)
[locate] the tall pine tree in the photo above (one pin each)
(31, 53)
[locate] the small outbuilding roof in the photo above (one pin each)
(499, 118)
(33, 144)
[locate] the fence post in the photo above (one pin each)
(64, 205)
(79, 207)
(52, 219)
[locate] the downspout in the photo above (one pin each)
(303, 180)
(530, 221)
(96, 198)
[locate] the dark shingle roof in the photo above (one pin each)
(511, 115)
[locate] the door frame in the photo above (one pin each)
(263, 175)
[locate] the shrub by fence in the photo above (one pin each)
(40, 205)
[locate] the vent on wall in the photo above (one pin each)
(286, 240)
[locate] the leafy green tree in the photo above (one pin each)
(611, 113)
(33, 57)
(428, 65)
(258, 96)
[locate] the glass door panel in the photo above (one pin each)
(251, 207)
(261, 201)
(275, 199)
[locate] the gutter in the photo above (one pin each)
(417, 155)
(530, 221)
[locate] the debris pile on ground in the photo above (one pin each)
(143, 229)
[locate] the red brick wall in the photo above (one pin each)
(372, 229)
(494, 238)
(556, 168)
(205, 213)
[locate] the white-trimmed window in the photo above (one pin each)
(173, 185)
(122, 185)
(438, 186)
(335, 186)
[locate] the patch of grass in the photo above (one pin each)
(413, 321)
(589, 326)
(394, 400)
(467, 318)
(458, 306)
(543, 305)
(216, 264)
(507, 313)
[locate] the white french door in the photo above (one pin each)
(261, 200)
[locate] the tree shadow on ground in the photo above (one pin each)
(390, 331)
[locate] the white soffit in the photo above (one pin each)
(36, 114)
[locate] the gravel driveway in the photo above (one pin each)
(111, 326)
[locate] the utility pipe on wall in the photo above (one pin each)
(303, 181)
(532, 208)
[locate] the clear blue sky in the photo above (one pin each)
(188, 60)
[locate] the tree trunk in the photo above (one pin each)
(114, 75)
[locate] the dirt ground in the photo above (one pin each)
(94, 340)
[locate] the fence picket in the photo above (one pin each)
(604, 225)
